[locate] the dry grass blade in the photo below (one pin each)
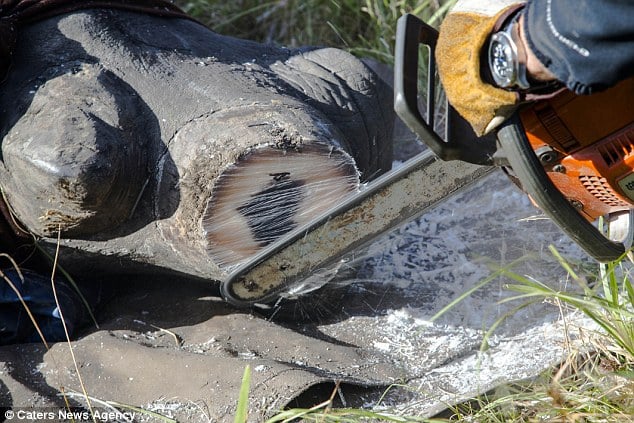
(117, 406)
(177, 339)
(324, 412)
(70, 279)
(70, 345)
(19, 295)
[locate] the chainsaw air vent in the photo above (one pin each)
(556, 128)
(618, 148)
(600, 188)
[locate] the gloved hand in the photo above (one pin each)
(463, 37)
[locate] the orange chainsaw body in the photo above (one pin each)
(586, 145)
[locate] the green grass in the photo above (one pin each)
(242, 409)
(363, 27)
(595, 385)
(610, 303)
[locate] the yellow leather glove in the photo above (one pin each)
(462, 38)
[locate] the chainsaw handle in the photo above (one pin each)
(550, 200)
(410, 33)
(460, 142)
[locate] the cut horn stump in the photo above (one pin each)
(269, 192)
(249, 175)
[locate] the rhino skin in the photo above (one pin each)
(116, 127)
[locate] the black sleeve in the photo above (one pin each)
(586, 44)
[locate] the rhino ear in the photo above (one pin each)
(77, 163)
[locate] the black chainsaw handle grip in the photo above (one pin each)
(460, 142)
(410, 32)
(550, 200)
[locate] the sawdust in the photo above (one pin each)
(411, 274)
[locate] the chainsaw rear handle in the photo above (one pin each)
(537, 184)
(460, 142)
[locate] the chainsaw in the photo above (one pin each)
(572, 155)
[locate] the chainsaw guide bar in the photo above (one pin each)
(303, 259)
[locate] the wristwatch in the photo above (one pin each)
(507, 58)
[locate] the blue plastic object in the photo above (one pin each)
(37, 292)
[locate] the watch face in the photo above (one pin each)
(502, 60)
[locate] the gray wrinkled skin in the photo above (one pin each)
(115, 126)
